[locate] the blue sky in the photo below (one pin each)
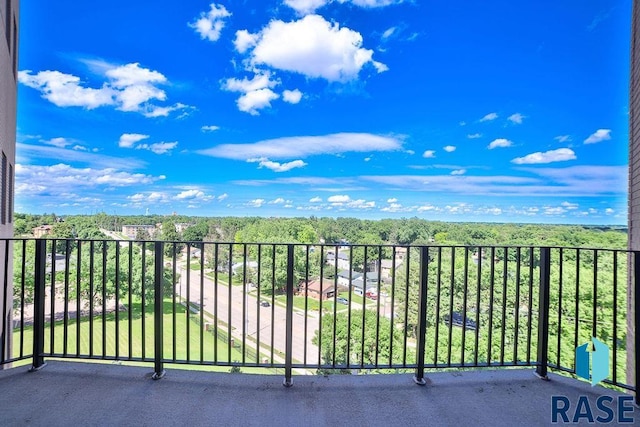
(456, 111)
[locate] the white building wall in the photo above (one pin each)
(9, 19)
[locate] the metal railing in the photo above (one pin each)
(316, 308)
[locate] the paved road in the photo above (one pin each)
(267, 325)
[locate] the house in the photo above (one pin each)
(386, 266)
(360, 288)
(59, 261)
(401, 253)
(343, 260)
(42, 231)
(239, 266)
(320, 290)
(131, 231)
(343, 277)
(194, 252)
(181, 226)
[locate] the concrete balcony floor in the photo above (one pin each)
(92, 394)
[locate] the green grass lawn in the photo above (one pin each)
(312, 303)
(191, 346)
(224, 278)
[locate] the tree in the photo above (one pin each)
(171, 235)
(380, 343)
(142, 234)
(197, 232)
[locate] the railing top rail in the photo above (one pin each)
(331, 245)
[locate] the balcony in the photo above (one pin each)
(248, 309)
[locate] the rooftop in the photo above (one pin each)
(69, 393)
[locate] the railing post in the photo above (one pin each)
(38, 305)
(543, 313)
(422, 315)
(158, 311)
(288, 357)
(636, 307)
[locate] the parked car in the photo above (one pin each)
(372, 295)
(264, 303)
(341, 300)
(457, 319)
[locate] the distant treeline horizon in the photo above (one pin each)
(313, 230)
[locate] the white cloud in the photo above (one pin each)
(277, 201)
(190, 194)
(474, 136)
(563, 138)
(489, 117)
(388, 33)
(292, 96)
(260, 80)
(139, 199)
(569, 205)
(425, 208)
(304, 7)
(128, 140)
(598, 136)
(158, 147)
(58, 178)
(135, 87)
(244, 40)
(65, 90)
(304, 146)
(256, 203)
(372, 3)
(129, 88)
(361, 204)
(393, 207)
(339, 199)
(516, 118)
(310, 46)
(500, 142)
(222, 197)
(210, 128)
(256, 100)
(277, 167)
(555, 182)
(156, 111)
(211, 23)
(449, 148)
(459, 172)
(559, 155)
(548, 210)
(392, 200)
(609, 211)
(257, 93)
(315, 200)
(131, 75)
(429, 154)
(57, 142)
(26, 152)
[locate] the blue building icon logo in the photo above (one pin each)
(592, 361)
